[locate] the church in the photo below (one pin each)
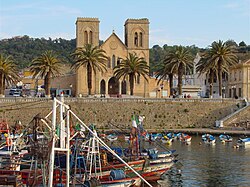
(136, 37)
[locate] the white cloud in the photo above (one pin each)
(241, 8)
(5, 35)
(67, 36)
(59, 10)
(160, 40)
(18, 7)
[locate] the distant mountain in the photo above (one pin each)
(24, 49)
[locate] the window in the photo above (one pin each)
(109, 63)
(140, 39)
(85, 37)
(240, 76)
(240, 92)
(118, 61)
(113, 61)
(235, 74)
(91, 37)
(230, 93)
(136, 39)
(126, 39)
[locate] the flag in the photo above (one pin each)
(134, 124)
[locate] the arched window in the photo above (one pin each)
(109, 63)
(141, 42)
(103, 87)
(136, 39)
(113, 61)
(85, 37)
(91, 37)
(124, 87)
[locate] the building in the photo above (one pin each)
(239, 81)
(136, 36)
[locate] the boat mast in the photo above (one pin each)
(66, 148)
(64, 139)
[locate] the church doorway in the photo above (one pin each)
(103, 87)
(113, 86)
(124, 87)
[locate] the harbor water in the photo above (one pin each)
(201, 164)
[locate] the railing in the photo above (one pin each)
(138, 100)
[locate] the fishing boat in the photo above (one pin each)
(118, 178)
(167, 140)
(93, 160)
(149, 137)
(112, 137)
(160, 154)
(67, 160)
(208, 139)
(243, 142)
(171, 135)
(185, 138)
(225, 138)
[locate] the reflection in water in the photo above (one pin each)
(210, 165)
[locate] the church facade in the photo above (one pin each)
(136, 40)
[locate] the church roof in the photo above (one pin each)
(119, 40)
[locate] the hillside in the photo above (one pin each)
(24, 49)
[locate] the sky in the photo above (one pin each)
(172, 22)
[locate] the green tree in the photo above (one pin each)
(180, 60)
(242, 44)
(221, 56)
(163, 72)
(46, 66)
(132, 67)
(92, 58)
(8, 72)
(156, 54)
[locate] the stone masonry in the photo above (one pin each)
(160, 114)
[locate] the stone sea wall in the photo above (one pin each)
(159, 114)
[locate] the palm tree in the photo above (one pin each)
(91, 57)
(204, 67)
(46, 66)
(8, 72)
(221, 56)
(180, 59)
(163, 71)
(131, 67)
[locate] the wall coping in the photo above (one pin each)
(81, 99)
